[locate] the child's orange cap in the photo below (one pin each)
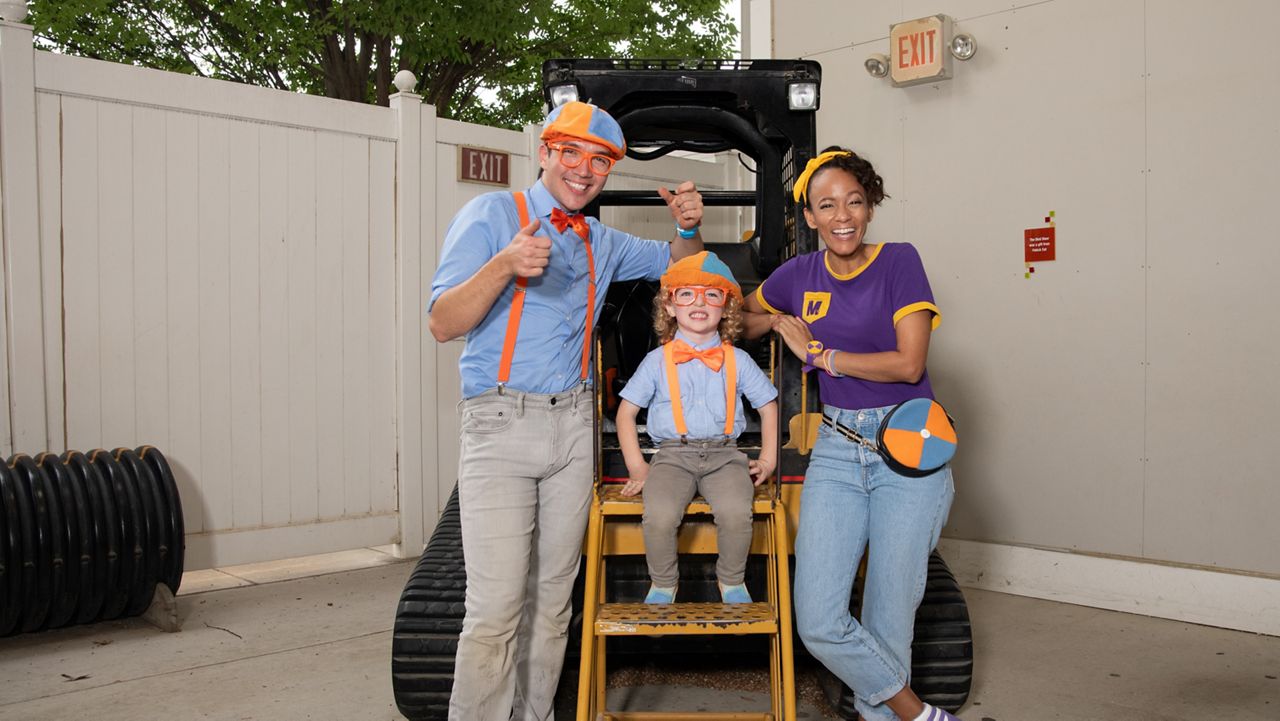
(704, 269)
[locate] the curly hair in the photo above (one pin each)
(664, 325)
(857, 166)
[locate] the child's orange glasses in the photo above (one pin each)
(571, 157)
(688, 296)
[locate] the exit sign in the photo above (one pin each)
(918, 51)
(478, 165)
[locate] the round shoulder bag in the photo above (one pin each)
(916, 438)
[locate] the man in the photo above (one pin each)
(523, 277)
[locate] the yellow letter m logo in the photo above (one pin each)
(815, 305)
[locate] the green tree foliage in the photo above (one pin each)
(476, 60)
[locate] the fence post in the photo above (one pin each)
(22, 326)
(410, 319)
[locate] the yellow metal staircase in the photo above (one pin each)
(610, 512)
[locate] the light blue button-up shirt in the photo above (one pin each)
(701, 393)
(548, 355)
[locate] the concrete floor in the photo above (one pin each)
(318, 648)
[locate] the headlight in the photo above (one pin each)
(561, 94)
(803, 95)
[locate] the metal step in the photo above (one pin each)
(684, 716)
(685, 619)
(613, 503)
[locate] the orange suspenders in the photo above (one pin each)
(730, 389)
(517, 308)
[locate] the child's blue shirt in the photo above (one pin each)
(701, 393)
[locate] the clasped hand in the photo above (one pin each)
(795, 333)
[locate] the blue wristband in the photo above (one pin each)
(687, 234)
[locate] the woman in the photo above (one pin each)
(862, 314)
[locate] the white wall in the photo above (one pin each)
(1120, 401)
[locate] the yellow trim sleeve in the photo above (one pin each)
(905, 311)
(759, 294)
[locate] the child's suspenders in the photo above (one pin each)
(730, 389)
(517, 308)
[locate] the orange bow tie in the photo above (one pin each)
(562, 220)
(682, 353)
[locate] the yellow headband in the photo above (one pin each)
(800, 192)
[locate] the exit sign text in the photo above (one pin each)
(919, 51)
(477, 165)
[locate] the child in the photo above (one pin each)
(697, 315)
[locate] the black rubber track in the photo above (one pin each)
(941, 653)
(428, 621)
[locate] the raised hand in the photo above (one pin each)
(528, 255)
(685, 204)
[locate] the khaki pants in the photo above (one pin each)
(718, 471)
(524, 485)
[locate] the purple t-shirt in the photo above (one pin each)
(856, 313)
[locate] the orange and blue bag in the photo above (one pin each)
(916, 438)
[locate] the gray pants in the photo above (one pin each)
(524, 484)
(716, 470)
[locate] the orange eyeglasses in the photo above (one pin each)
(571, 157)
(688, 296)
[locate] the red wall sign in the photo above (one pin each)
(1041, 244)
(478, 165)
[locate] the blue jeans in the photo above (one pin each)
(852, 501)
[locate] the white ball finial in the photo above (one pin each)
(405, 81)
(14, 11)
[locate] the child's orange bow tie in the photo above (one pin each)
(562, 220)
(682, 352)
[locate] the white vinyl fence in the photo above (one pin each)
(238, 276)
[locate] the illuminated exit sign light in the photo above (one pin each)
(918, 51)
